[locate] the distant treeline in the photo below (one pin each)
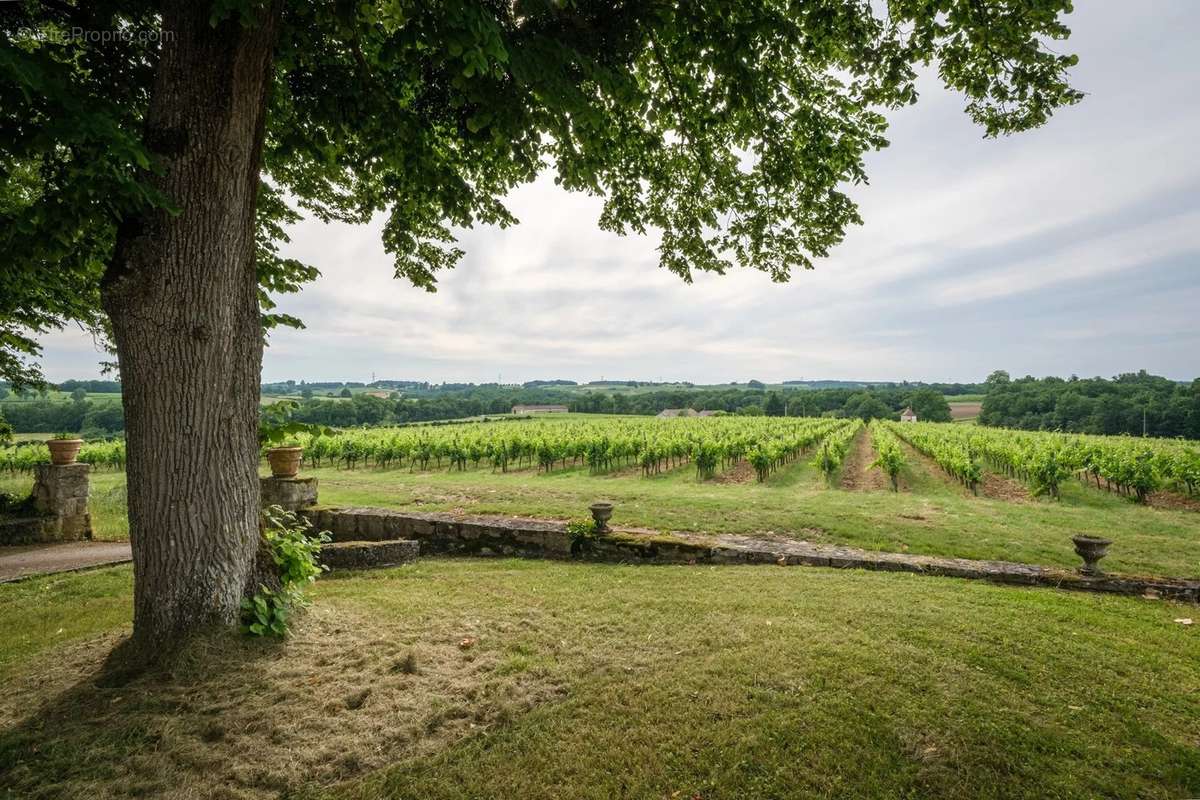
(96, 419)
(1120, 405)
(867, 404)
(364, 409)
(417, 388)
(1130, 403)
(93, 420)
(30, 410)
(106, 387)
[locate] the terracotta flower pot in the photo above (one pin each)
(63, 451)
(285, 461)
(1091, 549)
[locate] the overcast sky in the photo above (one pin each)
(1071, 249)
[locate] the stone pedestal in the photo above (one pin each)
(292, 494)
(60, 496)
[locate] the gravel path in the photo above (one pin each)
(44, 559)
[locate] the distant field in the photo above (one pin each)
(620, 388)
(960, 410)
(324, 394)
(31, 437)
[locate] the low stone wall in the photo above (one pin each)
(439, 533)
(57, 511)
(23, 529)
(363, 555)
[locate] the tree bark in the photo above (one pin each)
(181, 294)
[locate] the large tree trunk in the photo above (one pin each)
(181, 293)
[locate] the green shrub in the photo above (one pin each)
(891, 457)
(267, 613)
(582, 533)
(294, 550)
(1047, 470)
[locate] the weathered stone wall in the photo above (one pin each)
(363, 555)
(22, 529)
(439, 533)
(59, 510)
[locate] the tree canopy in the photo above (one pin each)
(731, 128)
(1132, 403)
(867, 406)
(929, 405)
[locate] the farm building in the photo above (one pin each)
(706, 413)
(539, 409)
(668, 413)
(908, 415)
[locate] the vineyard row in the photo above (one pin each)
(1131, 466)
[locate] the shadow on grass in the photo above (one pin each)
(228, 716)
(125, 728)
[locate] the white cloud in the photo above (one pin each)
(1090, 259)
(974, 255)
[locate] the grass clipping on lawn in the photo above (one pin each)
(238, 718)
(594, 681)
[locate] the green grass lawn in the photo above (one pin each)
(933, 517)
(530, 679)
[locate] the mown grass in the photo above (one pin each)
(42, 613)
(598, 681)
(934, 518)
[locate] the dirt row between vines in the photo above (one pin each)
(993, 486)
(857, 473)
(741, 472)
(1172, 501)
(1161, 499)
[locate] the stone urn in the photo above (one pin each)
(601, 513)
(1091, 549)
(63, 451)
(285, 461)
